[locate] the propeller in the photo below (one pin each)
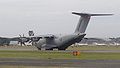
(32, 39)
(22, 40)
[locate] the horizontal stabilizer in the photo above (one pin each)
(87, 14)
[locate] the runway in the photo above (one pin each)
(61, 63)
(58, 63)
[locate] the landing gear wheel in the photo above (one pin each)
(60, 49)
(49, 49)
(38, 48)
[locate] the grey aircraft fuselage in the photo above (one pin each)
(59, 42)
(63, 42)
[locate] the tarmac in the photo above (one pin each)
(60, 63)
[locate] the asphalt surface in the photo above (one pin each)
(74, 63)
(61, 63)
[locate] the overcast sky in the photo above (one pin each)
(54, 17)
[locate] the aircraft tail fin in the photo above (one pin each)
(84, 20)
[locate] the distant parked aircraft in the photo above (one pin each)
(4, 41)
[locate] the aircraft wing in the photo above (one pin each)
(36, 38)
(19, 39)
(49, 36)
(13, 39)
(29, 38)
(43, 36)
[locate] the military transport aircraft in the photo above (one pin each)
(49, 42)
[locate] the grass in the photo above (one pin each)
(36, 54)
(107, 47)
(90, 47)
(99, 56)
(57, 55)
(12, 52)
